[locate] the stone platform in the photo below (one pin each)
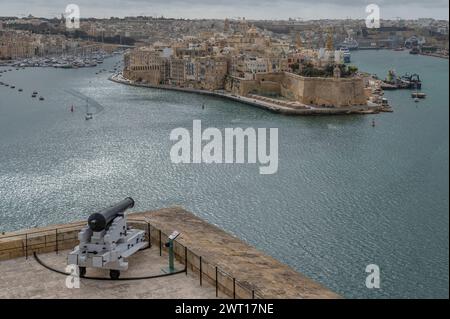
(221, 262)
(22, 278)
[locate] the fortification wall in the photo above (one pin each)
(337, 92)
(325, 92)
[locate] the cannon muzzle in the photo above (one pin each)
(100, 220)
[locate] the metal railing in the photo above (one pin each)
(59, 238)
(43, 240)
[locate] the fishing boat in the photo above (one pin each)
(414, 51)
(88, 115)
(419, 95)
(407, 81)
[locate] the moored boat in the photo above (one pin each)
(419, 95)
(349, 43)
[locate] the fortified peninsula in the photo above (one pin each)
(249, 66)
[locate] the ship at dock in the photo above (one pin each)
(406, 81)
(350, 43)
(346, 54)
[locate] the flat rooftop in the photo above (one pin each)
(26, 278)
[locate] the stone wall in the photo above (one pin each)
(335, 92)
(151, 77)
(252, 269)
(325, 92)
(40, 240)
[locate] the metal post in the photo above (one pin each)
(234, 288)
(160, 243)
(171, 263)
(217, 286)
(56, 232)
(26, 246)
(253, 294)
(185, 259)
(201, 270)
(149, 235)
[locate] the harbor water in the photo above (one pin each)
(347, 194)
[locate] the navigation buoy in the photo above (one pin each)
(71, 109)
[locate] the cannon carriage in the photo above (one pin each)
(106, 242)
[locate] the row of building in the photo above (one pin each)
(244, 61)
(15, 44)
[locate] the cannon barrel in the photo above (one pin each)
(100, 220)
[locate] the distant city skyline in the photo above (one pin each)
(250, 9)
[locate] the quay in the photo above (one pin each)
(370, 108)
(217, 265)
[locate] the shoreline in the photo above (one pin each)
(272, 107)
(435, 55)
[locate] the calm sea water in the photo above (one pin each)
(346, 194)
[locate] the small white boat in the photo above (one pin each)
(419, 95)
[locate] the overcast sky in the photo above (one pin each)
(251, 9)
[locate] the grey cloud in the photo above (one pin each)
(230, 8)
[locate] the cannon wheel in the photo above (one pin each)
(82, 271)
(114, 274)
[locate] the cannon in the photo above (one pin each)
(101, 220)
(106, 241)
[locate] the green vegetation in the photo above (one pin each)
(309, 70)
